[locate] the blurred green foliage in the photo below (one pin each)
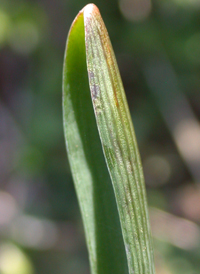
(40, 226)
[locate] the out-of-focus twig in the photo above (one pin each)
(178, 231)
(176, 110)
(11, 137)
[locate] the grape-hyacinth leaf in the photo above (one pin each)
(103, 152)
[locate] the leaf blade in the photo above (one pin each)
(92, 181)
(119, 143)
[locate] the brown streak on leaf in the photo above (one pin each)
(108, 55)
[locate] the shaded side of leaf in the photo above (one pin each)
(90, 174)
(119, 143)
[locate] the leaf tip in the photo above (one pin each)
(90, 9)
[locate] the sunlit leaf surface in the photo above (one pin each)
(103, 153)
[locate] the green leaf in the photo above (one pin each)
(92, 181)
(103, 152)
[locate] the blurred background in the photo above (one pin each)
(157, 45)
